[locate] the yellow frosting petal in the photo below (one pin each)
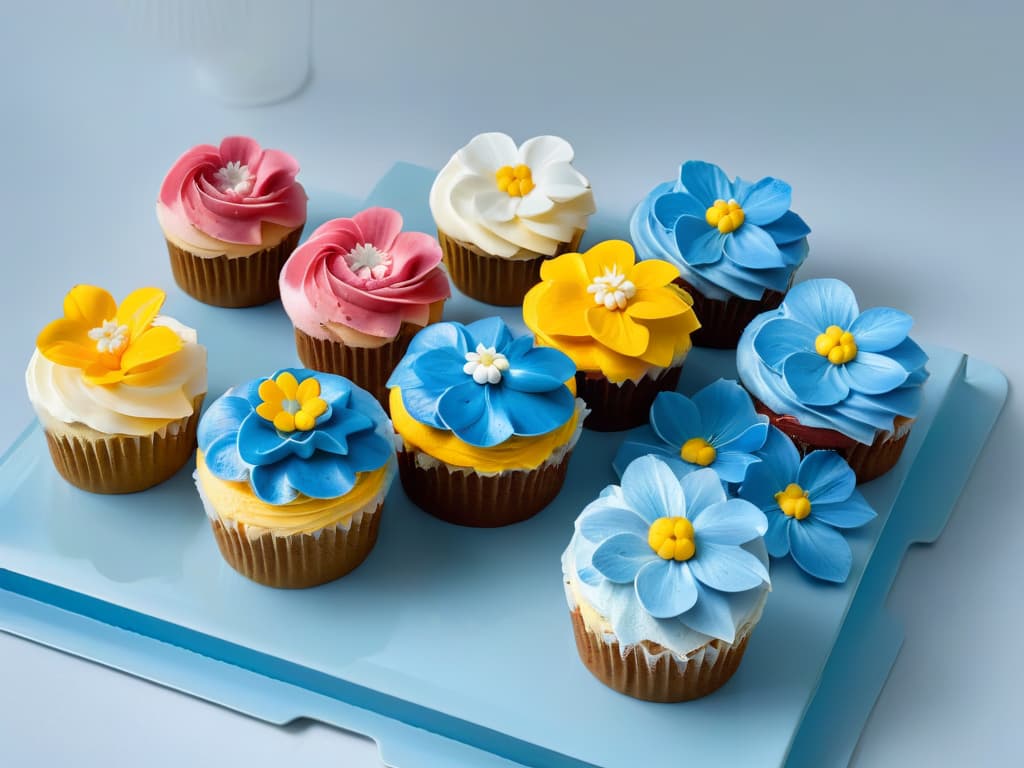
(154, 344)
(567, 268)
(270, 393)
(67, 342)
(618, 331)
(308, 389)
(139, 309)
(289, 385)
(89, 305)
(651, 304)
(653, 273)
(315, 406)
(268, 410)
(563, 308)
(606, 254)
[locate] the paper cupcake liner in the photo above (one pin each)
(480, 501)
(493, 279)
(650, 672)
(243, 281)
(102, 463)
(722, 322)
(867, 461)
(615, 407)
(301, 560)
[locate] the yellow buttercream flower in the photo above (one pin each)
(111, 344)
(609, 312)
(290, 405)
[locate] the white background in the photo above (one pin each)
(899, 126)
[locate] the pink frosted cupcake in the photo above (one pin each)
(357, 291)
(231, 216)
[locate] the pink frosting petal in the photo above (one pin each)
(413, 254)
(380, 226)
(205, 155)
(277, 171)
(240, 149)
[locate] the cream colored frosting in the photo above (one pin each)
(207, 247)
(60, 393)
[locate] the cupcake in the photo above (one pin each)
(231, 215)
(624, 324)
(357, 291)
(666, 579)
(501, 210)
(292, 470)
(117, 389)
(736, 244)
(487, 422)
(833, 377)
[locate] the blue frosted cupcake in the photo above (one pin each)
(736, 244)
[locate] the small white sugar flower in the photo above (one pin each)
(235, 177)
(612, 289)
(109, 337)
(367, 261)
(485, 365)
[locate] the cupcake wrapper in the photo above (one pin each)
(722, 322)
(123, 463)
(493, 279)
(614, 407)
(867, 461)
(653, 674)
(480, 501)
(298, 561)
(244, 281)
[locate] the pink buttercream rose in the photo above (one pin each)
(228, 192)
(364, 273)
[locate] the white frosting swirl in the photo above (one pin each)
(468, 204)
(60, 393)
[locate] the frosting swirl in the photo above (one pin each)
(727, 237)
(363, 273)
(230, 198)
(821, 360)
(513, 202)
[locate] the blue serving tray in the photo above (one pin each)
(452, 646)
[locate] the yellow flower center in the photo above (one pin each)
(836, 344)
(727, 216)
(289, 405)
(697, 450)
(793, 502)
(517, 181)
(672, 538)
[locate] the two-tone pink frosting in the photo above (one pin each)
(228, 193)
(363, 273)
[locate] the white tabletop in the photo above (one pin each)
(898, 126)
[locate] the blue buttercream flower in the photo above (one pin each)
(717, 428)
(481, 384)
(805, 502)
(678, 541)
(737, 234)
(296, 432)
(825, 348)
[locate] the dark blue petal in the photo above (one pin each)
(849, 513)
(786, 229)
(726, 412)
(732, 466)
(336, 391)
(881, 328)
(668, 208)
(752, 247)
(749, 440)
(421, 404)
(727, 568)
(675, 419)
(259, 442)
(440, 336)
(666, 588)
(620, 557)
(705, 181)
(320, 477)
(225, 415)
(270, 484)
(532, 414)
(249, 391)
(765, 201)
(777, 537)
(873, 374)
(820, 550)
(491, 332)
(781, 337)
(821, 303)
(462, 405)
(826, 477)
(520, 346)
(439, 369)
(813, 379)
(539, 369)
(223, 459)
(705, 249)
(368, 451)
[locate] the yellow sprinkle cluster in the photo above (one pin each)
(517, 181)
(727, 216)
(697, 450)
(836, 344)
(290, 405)
(672, 538)
(793, 501)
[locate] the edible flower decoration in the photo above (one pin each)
(807, 503)
(482, 385)
(609, 312)
(679, 542)
(738, 234)
(717, 428)
(826, 350)
(295, 432)
(110, 343)
(365, 273)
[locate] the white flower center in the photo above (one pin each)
(485, 365)
(612, 289)
(109, 337)
(366, 261)
(235, 177)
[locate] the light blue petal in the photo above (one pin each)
(786, 229)
(675, 419)
(532, 414)
(820, 550)
(752, 247)
(668, 208)
(665, 588)
(539, 369)
(813, 379)
(733, 521)
(909, 355)
(881, 328)
(631, 450)
(270, 484)
(223, 459)
(706, 249)
(688, 229)
(826, 477)
(587, 573)
(491, 332)
(322, 476)
(821, 303)
(749, 440)
(851, 513)
(779, 338)
(732, 466)
(711, 615)
(780, 456)
(652, 490)
(777, 537)
(873, 374)
(225, 415)
(620, 557)
(705, 181)
(765, 201)
(598, 523)
(493, 424)
(727, 568)
(701, 489)
(726, 412)
(259, 442)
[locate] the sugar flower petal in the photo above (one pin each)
(139, 309)
(602, 519)
(880, 328)
(766, 200)
(669, 208)
(814, 379)
(705, 181)
(788, 228)
(821, 303)
(728, 414)
(776, 539)
(730, 522)
(727, 568)
(89, 305)
(852, 512)
(487, 152)
(711, 615)
(617, 331)
(665, 588)
(873, 373)
(820, 550)
(707, 248)
(826, 477)
(700, 490)
(781, 337)
(271, 485)
(675, 418)
(620, 557)
(652, 491)
(321, 476)
(752, 247)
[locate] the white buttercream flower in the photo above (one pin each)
(109, 337)
(612, 288)
(367, 261)
(485, 365)
(235, 177)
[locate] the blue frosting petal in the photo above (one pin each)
(446, 335)
(732, 466)
(666, 588)
(826, 477)
(711, 614)
(620, 557)
(749, 440)
(436, 369)
(777, 537)
(668, 208)
(688, 229)
(821, 303)
(814, 379)
(910, 356)
(701, 489)
(602, 520)
(675, 419)
(765, 201)
(880, 328)
(320, 477)
(652, 490)
(727, 415)
(223, 460)
(224, 415)
(873, 374)
(270, 484)
(587, 573)
(540, 369)
(532, 414)
(733, 521)
(369, 451)
(704, 249)
(705, 181)
(820, 550)
(727, 568)
(788, 228)
(750, 246)
(463, 410)
(848, 513)
(259, 442)
(491, 332)
(779, 338)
